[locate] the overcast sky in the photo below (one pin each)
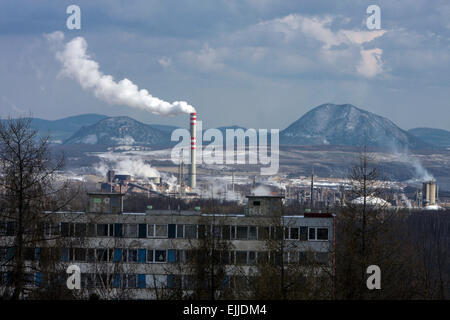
(255, 63)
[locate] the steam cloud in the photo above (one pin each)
(125, 165)
(77, 64)
(261, 191)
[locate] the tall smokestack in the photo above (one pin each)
(193, 170)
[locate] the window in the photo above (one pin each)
(226, 232)
(233, 232)
(142, 255)
(242, 233)
(116, 280)
(117, 255)
(80, 229)
(150, 257)
(102, 255)
(141, 281)
(190, 231)
(132, 255)
(131, 230)
(91, 230)
(171, 256)
(181, 256)
(156, 280)
(65, 229)
(216, 231)
(180, 231)
(102, 230)
(312, 234)
(263, 233)
(303, 233)
(90, 283)
(10, 228)
(277, 233)
(64, 254)
(241, 257)
(151, 230)
(256, 203)
(276, 257)
(47, 229)
(142, 231)
(91, 255)
(131, 281)
(263, 257)
(252, 257)
(252, 233)
(110, 255)
(160, 255)
(322, 233)
(318, 234)
(293, 233)
(161, 230)
(172, 231)
(80, 254)
(225, 257)
(118, 230)
(201, 231)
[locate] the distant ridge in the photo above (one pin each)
(327, 124)
(61, 129)
(347, 125)
(436, 137)
(116, 131)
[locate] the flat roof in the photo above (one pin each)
(264, 196)
(106, 194)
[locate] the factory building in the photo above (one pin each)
(142, 252)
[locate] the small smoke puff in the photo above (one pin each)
(78, 65)
(261, 191)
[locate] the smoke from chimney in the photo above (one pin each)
(78, 65)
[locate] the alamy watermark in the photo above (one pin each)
(373, 22)
(74, 279)
(231, 149)
(374, 280)
(74, 20)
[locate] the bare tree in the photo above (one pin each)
(29, 188)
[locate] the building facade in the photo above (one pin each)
(140, 255)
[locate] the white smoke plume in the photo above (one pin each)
(77, 64)
(135, 167)
(261, 191)
(420, 173)
(406, 201)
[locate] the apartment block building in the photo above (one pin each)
(136, 255)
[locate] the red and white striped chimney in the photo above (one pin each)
(193, 170)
